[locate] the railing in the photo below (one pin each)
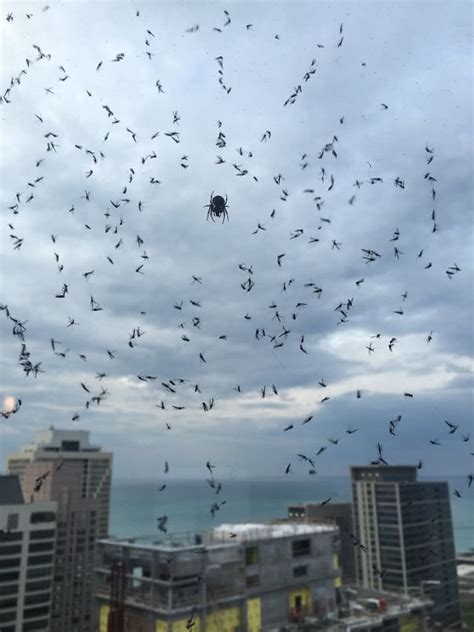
(183, 600)
(138, 601)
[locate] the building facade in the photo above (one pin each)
(235, 577)
(77, 475)
(339, 514)
(405, 534)
(27, 539)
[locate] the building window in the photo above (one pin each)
(9, 590)
(30, 613)
(40, 546)
(35, 625)
(70, 446)
(37, 598)
(10, 562)
(10, 576)
(31, 573)
(12, 522)
(12, 537)
(42, 534)
(300, 571)
(40, 559)
(251, 555)
(6, 604)
(42, 516)
(10, 550)
(253, 581)
(301, 547)
(7, 617)
(39, 585)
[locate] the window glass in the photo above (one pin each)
(236, 314)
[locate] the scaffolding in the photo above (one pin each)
(116, 612)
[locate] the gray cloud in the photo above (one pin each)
(416, 62)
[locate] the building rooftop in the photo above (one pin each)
(50, 442)
(223, 535)
(384, 473)
(313, 503)
(10, 491)
(262, 531)
(465, 570)
(365, 607)
(466, 558)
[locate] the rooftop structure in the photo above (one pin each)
(253, 575)
(384, 474)
(53, 441)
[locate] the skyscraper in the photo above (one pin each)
(405, 533)
(77, 475)
(27, 537)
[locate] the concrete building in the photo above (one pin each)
(77, 475)
(27, 537)
(406, 532)
(250, 577)
(339, 514)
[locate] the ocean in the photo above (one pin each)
(136, 505)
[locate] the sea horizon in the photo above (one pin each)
(137, 503)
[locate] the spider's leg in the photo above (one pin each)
(212, 216)
(212, 195)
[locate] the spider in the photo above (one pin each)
(217, 207)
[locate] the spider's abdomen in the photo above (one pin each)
(218, 201)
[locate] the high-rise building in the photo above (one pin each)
(27, 538)
(77, 475)
(339, 514)
(405, 536)
(249, 577)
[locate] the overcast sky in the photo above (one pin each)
(415, 58)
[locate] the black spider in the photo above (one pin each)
(217, 207)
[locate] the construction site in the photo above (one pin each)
(244, 577)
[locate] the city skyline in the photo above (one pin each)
(59, 465)
(234, 474)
